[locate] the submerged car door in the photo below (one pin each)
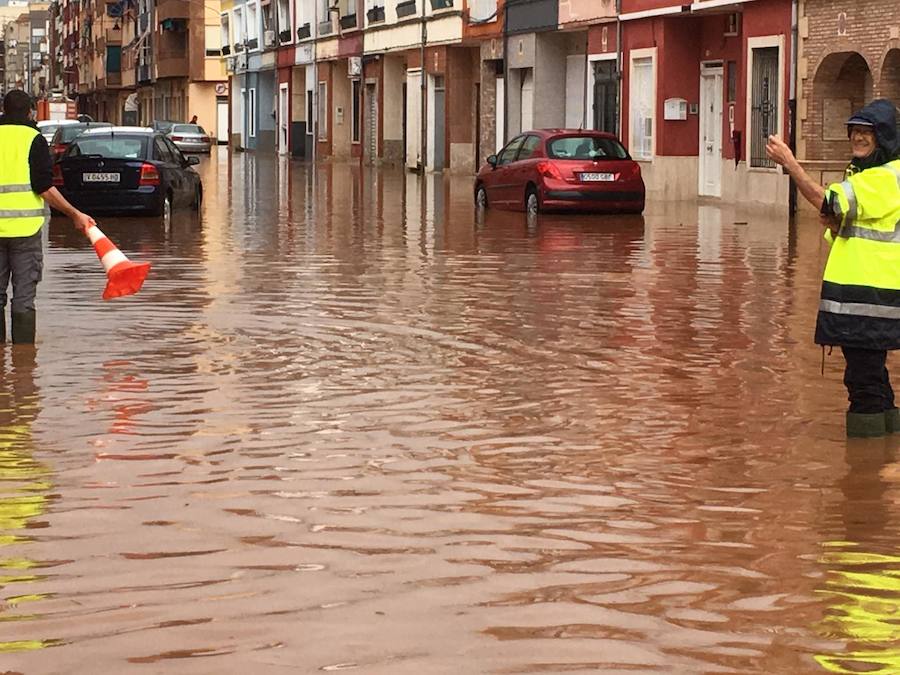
(185, 173)
(522, 170)
(167, 169)
(501, 190)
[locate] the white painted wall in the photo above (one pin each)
(575, 74)
(413, 118)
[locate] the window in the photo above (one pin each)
(239, 32)
(213, 37)
(585, 147)
(224, 33)
(121, 147)
(508, 154)
(113, 59)
(732, 81)
(356, 108)
(323, 111)
(764, 108)
(251, 112)
(643, 102)
(161, 152)
(529, 147)
(177, 157)
(252, 26)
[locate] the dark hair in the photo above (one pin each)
(17, 105)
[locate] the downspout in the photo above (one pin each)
(423, 132)
(505, 73)
(315, 91)
(619, 66)
(792, 104)
(587, 63)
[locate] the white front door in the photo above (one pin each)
(711, 94)
(527, 112)
(222, 122)
(283, 119)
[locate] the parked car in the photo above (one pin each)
(190, 138)
(127, 169)
(67, 133)
(49, 127)
(559, 169)
(163, 125)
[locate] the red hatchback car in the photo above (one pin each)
(557, 169)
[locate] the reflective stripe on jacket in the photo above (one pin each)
(860, 304)
(22, 212)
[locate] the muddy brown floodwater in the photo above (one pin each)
(349, 425)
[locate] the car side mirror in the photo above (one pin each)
(193, 161)
(492, 160)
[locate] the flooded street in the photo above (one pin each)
(349, 425)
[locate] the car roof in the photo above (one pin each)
(118, 130)
(573, 132)
(61, 123)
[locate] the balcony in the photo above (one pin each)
(348, 22)
(407, 8)
(441, 4)
(326, 28)
(172, 9)
(226, 50)
(304, 32)
(143, 73)
(284, 36)
(114, 79)
(172, 65)
(375, 15)
(482, 10)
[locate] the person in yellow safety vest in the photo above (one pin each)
(26, 193)
(859, 309)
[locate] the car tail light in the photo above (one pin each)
(57, 176)
(149, 175)
(205, 139)
(59, 148)
(177, 138)
(549, 170)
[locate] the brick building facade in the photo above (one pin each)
(849, 53)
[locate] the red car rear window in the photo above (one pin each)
(585, 147)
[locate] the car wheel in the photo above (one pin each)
(481, 199)
(532, 203)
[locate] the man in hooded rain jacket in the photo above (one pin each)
(859, 309)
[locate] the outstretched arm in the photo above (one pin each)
(80, 220)
(780, 153)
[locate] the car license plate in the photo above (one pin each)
(100, 177)
(597, 177)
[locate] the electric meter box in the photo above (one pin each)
(675, 109)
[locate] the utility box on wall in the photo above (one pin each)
(675, 109)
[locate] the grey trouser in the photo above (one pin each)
(21, 258)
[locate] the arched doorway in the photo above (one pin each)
(843, 83)
(889, 86)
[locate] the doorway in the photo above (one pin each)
(439, 123)
(222, 121)
(527, 98)
(283, 119)
(606, 96)
(711, 95)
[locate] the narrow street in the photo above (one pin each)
(351, 424)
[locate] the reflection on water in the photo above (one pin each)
(350, 424)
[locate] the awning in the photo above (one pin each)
(700, 5)
(650, 13)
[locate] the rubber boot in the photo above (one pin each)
(892, 421)
(863, 425)
(23, 327)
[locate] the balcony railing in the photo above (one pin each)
(326, 28)
(172, 66)
(375, 15)
(348, 21)
(407, 8)
(172, 9)
(441, 4)
(304, 32)
(284, 36)
(482, 10)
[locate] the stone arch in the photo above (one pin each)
(889, 84)
(843, 83)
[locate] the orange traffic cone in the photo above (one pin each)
(123, 276)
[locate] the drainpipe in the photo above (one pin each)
(315, 90)
(424, 93)
(587, 62)
(792, 104)
(505, 73)
(620, 80)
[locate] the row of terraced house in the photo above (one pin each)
(693, 87)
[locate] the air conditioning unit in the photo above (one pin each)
(269, 38)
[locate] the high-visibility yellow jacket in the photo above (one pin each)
(22, 212)
(860, 304)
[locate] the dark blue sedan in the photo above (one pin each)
(127, 170)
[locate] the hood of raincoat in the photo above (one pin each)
(882, 115)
